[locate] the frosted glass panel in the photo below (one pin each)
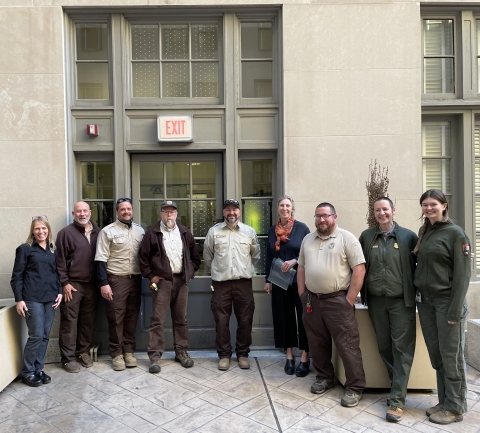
(175, 42)
(92, 79)
(204, 41)
(257, 213)
(145, 44)
(257, 40)
(92, 41)
(259, 268)
(175, 80)
(203, 216)
(146, 80)
(205, 80)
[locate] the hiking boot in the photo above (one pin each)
(445, 417)
(118, 363)
(130, 360)
(155, 367)
(184, 359)
(243, 362)
(394, 414)
(224, 364)
(437, 408)
(321, 386)
(85, 359)
(350, 399)
(71, 367)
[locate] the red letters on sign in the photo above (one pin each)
(175, 127)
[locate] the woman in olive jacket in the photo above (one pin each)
(442, 277)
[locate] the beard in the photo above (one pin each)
(170, 224)
(325, 230)
(231, 219)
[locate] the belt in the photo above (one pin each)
(329, 295)
(178, 275)
(123, 276)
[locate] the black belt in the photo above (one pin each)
(329, 295)
(178, 275)
(123, 276)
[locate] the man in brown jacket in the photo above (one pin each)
(76, 246)
(168, 257)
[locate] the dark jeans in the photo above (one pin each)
(239, 292)
(395, 326)
(171, 295)
(39, 325)
(77, 320)
(446, 345)
(334, 318)
(287, 312)
(122, 313)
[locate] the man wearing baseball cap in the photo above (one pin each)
(168, 257)
(231, 250)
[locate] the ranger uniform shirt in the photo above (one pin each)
(231, 253)
(117, 245)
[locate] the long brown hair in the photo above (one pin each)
(438, 195)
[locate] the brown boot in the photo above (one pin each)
(118, 363)
(224, 364)
(184, 359)
(394, 414)
(445, 417)
(243, 362)
(130, 360)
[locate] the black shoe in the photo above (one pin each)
(32, 380)
(303, 369)
(45, 378)
(290, 366)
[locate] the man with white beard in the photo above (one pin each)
(168, 257)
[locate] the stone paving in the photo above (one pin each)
(204, 399)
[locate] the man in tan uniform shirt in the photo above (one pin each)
(331, 269)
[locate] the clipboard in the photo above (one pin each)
(280, 278)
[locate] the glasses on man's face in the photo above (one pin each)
(43, 217)
(324, 216)
(121, 200)
(169, 212)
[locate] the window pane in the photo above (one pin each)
(204, 41)
(146, 80)
(436, 139)
(203, 270)
(175, 42)
(184, 213)
(92, 80)
(151, 180)
(477, 140)
(97, 180)
(477, 236)
(205, 80)
(149, 213)
(436, 173)
(92, 41)
(178, 180)
(203, 216)
(103, 212)
(145, 42)
(257, 40)
(438, 76)
(257, 178)
(477, 179)
(259, 268)
(256, 79)
(203, 179)
(438, 37)
(175, 80)
(257, 213)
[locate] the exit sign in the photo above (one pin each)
(175, 128)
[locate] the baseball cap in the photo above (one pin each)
(231, 201)
(169, 203)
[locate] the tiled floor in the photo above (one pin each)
(204, 399)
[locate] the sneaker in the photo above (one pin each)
(321, 386)
(130, 360)
(243, 362)
(445, 417)
(437, 408)
(394, 414)
(118, 363)
(85, 359)
(350, 399)
(184, 359)
(71, 367)
(155, 367)
(224, 364)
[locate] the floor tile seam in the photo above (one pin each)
(158, 425)
(277, 421)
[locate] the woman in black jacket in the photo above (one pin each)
(38, 293)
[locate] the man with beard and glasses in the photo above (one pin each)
(168, 257)
(331, 269)
(76, 245)
(231, 250)
(120, 282)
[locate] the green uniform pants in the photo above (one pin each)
(446, 345)
(395, 326)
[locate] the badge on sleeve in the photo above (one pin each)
(395, 245)
(466, 249)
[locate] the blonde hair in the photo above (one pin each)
(287, 197)
(31, 237)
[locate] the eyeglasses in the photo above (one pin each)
(169, 212)
(231, 201)
(121, 200)
(323, 217)
(43, 217)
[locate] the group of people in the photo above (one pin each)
(392, 268)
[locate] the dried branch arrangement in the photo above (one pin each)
(377, 186)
